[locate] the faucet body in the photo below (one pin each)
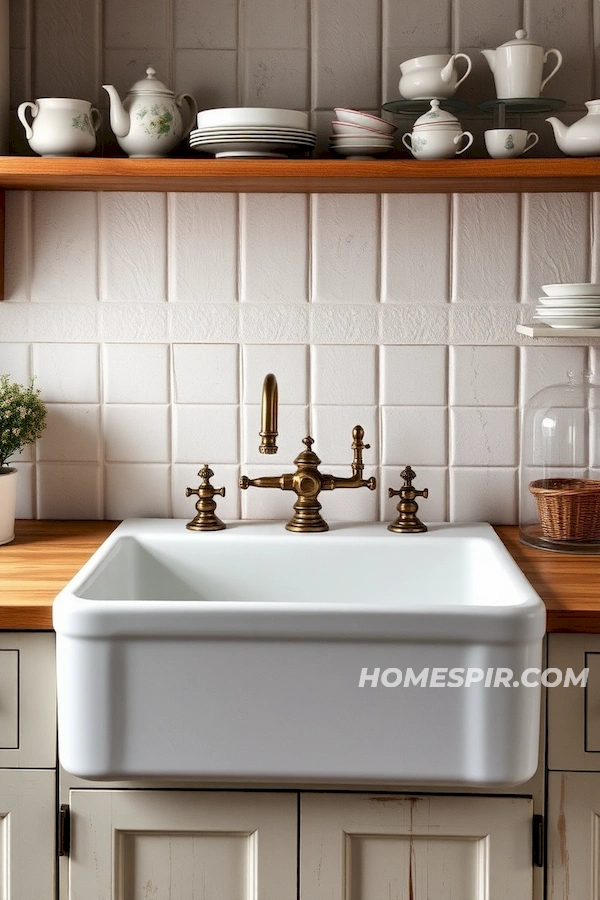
(307, 481)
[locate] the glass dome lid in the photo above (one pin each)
(560, 468)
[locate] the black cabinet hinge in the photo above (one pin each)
(537, 842)
(64, 830)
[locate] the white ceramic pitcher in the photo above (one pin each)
(430, 76)
(518, 67)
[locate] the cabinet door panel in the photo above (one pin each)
(184, 845)
(573, 836)
(376, 847)
(27, 701)
(9, 699)
(27, 835)
(574, 711)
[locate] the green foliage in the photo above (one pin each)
(22, 417)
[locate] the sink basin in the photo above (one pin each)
(238, 655)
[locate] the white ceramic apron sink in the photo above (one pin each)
(237, 655)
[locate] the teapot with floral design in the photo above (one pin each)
(148, 123)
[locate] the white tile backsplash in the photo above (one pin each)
(397, 312)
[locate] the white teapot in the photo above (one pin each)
(582, 138)
(518, 66)
(148, 123)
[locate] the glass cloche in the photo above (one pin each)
(560, 468)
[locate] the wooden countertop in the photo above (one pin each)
(45, 555)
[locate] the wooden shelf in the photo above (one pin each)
(547, 331)
(323, 175)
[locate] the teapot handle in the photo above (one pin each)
(193, 111)
(469, 67)
(21, 114)
(559, 59)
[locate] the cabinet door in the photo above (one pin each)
(574, 711)
(573, 836)
(377, 847)
(184, 845)
(27, 835)
(27, 701)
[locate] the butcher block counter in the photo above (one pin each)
(45, 555)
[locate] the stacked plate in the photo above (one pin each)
(360, 135)
(569, 306)
(252, 132)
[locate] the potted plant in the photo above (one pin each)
(22, 420)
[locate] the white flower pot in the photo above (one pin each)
(8, 502)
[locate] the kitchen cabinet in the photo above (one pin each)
(27, 767)
(573, 856)
(371, 847)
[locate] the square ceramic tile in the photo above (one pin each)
(64, 245)
(274, 259)
(345, 249)
(206, 25)
(416, 249)
(69, 491)
(332, 428)
(434, 508)
(136, 433)
(289, 364)
(556, 241)
(25, 508)
(72, 433)
(134, 322)
(203, 238)
(483, 376)
(483, 495)
(483, 436)
(206, 434)
(277, 78)
(266, 503)
(133, 236)
(414, 435)
(67, 373)
(135, 24)
(273, 23)
(354, 505)
(136, 373)
(210, 76)
(184, 476)
(486, 227)
(342, 375)
(415, 375)
(544, 366)
(15, 361)
(205, 373)
(137, 491)
(293, 426)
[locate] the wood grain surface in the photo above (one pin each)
(46, 555)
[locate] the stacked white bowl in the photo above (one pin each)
(360, 135)
(252, 132)
(569, 306)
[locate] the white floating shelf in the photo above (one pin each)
(548, 331)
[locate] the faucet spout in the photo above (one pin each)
(268, 415)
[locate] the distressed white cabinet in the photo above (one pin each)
(27, 767)
(382, 846)
(183, 845)
(573, 836)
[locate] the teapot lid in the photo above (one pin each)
(436, 116)
(520, 40)
(149, 85)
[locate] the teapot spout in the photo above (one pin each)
(119, 118)
(490, 55)
(560, 130)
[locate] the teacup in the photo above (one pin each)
(503, 143)
(436, 143)
(60, 126)
(425, 77)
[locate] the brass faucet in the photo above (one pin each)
(307, 481)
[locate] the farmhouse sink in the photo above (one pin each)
(239, 656)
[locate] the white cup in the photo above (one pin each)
(505, 143)
(436, 143)
(60, 126)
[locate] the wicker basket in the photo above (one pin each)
(569, 508)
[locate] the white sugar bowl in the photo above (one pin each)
(437, 134)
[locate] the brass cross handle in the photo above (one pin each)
(205, 518)
(407, 521)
